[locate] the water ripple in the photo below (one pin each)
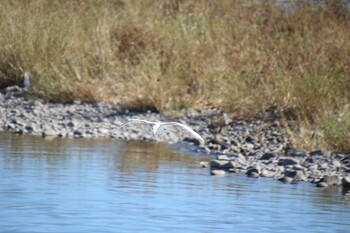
(115, 186)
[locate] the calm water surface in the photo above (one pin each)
(116, 186)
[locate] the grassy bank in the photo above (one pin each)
(171, 54)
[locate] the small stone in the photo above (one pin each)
(322, 185)
(78, 134)
(346, 191)
(38, 103)
(331, 180)
(290, 173)
(235, 148)
(204, 164)
(232, 170)
(29, 128)
(102, 131)
(220, 164)
(323, 166)
(313, 167)
(216, 172)
(299, 167)
(316, 153)
(10, 126)
(253, 172)
(336, 163)
(49, 132)
(285, 180)
(296, 153)
(223, 157)
(346, 182)
(239, 158)
(74, 123)
(248, 146)
(287, 161)
(13, 89)
(267, 156)
(266, 173)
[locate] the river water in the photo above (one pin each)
(102, 185)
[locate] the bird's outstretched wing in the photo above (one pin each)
(194, 133)
(134, 121)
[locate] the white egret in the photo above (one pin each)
(26, 81)
(156, 126)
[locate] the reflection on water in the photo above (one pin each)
(63, 185)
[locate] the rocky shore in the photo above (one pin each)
(257, 148)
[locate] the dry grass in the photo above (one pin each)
(336, 130)
(243, 56)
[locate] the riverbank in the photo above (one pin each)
(257, 148)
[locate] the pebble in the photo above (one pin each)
(346, 182)
(285, 180)
(49, 132)
(322, 185)
(252, 172)
(287, 161)
(204, 164)
(331, 180)
(220, 164)
(267, 156)
(217, 172)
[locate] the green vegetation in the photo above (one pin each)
(242, 56)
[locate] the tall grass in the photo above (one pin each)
(242, 56)
(336, 130)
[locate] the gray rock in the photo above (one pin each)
(252, 172)
(13, 89)
(223, 157)
(323, 166)
(297, 175)
(346, 191)
(267, 173)
(267, 156)
(239, 158)
(217, 172)
(77, 133)
(220, 164)
(74, 124)
(290, 173)
(103, 131)
(322, 185)
(336, 163)
(285, 180)
(331, 180)
(38, 103)
(299, 167)
(287, 161)
(29, 128)
(346, 182)
(316, 153)
(296, 153)
(313, 167)
(49, 132)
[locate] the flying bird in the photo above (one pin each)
(156, 126)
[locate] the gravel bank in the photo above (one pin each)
(257, 148)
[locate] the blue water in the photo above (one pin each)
(64, 185)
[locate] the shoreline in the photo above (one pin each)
(257, 148)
